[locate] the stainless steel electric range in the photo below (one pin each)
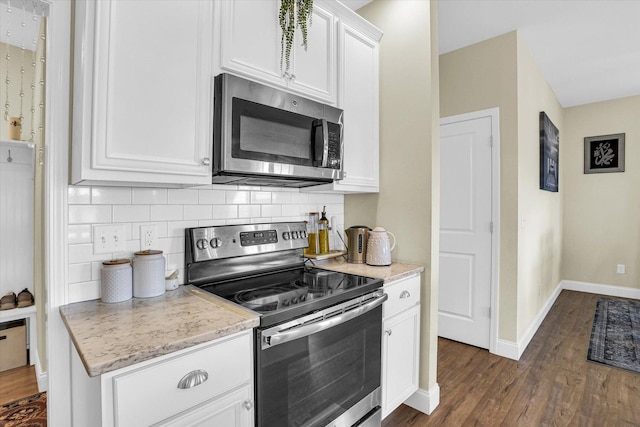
(318, 346)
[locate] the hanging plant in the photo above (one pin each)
(293, 13)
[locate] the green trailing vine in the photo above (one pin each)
(293, 13)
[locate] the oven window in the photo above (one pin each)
(313, 380)
(264, 133)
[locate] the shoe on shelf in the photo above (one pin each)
(8, 301)
(25, 298)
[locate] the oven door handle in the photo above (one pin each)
(312, 328)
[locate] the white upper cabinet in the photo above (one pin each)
(250, 46)
(358, 96)
(142, 110)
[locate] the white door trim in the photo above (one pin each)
(57, 139)
(494, 114)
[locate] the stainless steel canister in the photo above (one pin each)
(148, 274)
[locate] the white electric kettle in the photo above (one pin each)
(379, 247)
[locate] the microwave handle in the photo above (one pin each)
(322, 147)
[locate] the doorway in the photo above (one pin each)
(469, 228)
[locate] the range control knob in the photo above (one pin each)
(294, 234)
(303, 234)
(202, 244)
(286, 235)
(215, 242)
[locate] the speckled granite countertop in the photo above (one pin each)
(395, 271)
(113, 336)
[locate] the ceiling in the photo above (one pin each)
(588, 50)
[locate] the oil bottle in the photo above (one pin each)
(323, 232)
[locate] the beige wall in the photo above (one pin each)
(476, 78)
(501, 72)
(404, 204)
(601, 211)
(540, 239)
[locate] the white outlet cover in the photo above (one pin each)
(620, 269)
(148, 236)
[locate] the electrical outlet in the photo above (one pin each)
(148, 234)
(108, 239)
(620, 269)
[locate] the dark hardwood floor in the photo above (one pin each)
(552, 384)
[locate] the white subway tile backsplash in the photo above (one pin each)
(89, 214)
(171, 211)
(197, 212)
(150, 196)
(110, 196)
(84, 253)
(299, 198)
(79, 234)
(225, 212)
(130, 213)
(182, 196)
(248, 211)
(211, 222)
(171, 245)
(84, 291)
(211, 197)
(279, 197)
(80, 272)
(167, 212)
(238, 197)
(176, 228)
(271, 210)
(78, 195)
(260, 197)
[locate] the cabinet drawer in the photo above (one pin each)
(403, 294)
(151, 394)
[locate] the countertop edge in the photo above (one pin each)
(248, 320)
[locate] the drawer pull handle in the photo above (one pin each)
(389, 332)
(248, 405)
(193, 379)
(405, 294)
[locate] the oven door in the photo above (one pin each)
(321, 371)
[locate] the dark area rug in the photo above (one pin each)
(27, 412)
(615, 336)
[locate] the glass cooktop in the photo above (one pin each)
(284, 295)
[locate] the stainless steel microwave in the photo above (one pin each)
(269, 137)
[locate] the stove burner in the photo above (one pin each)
(271, 298)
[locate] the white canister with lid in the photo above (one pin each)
(148, 274)
(115, 280)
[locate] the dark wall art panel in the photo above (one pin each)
(549, 154)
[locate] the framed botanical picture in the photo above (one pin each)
(604, 153)
(549, 154)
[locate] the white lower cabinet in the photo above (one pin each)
(400, 342)
(205, 385)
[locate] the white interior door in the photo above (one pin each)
(464, 306)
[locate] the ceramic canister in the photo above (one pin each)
(148, 274)
(115, 280)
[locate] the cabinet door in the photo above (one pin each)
(233, 410)
(250, 40)
(143, 92)
(358, 97)
(313, 71)
(400, 358)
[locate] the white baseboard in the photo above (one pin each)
(514, 350)
(595, 288)
(508, 349)
(425, 401)
(41, 377)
